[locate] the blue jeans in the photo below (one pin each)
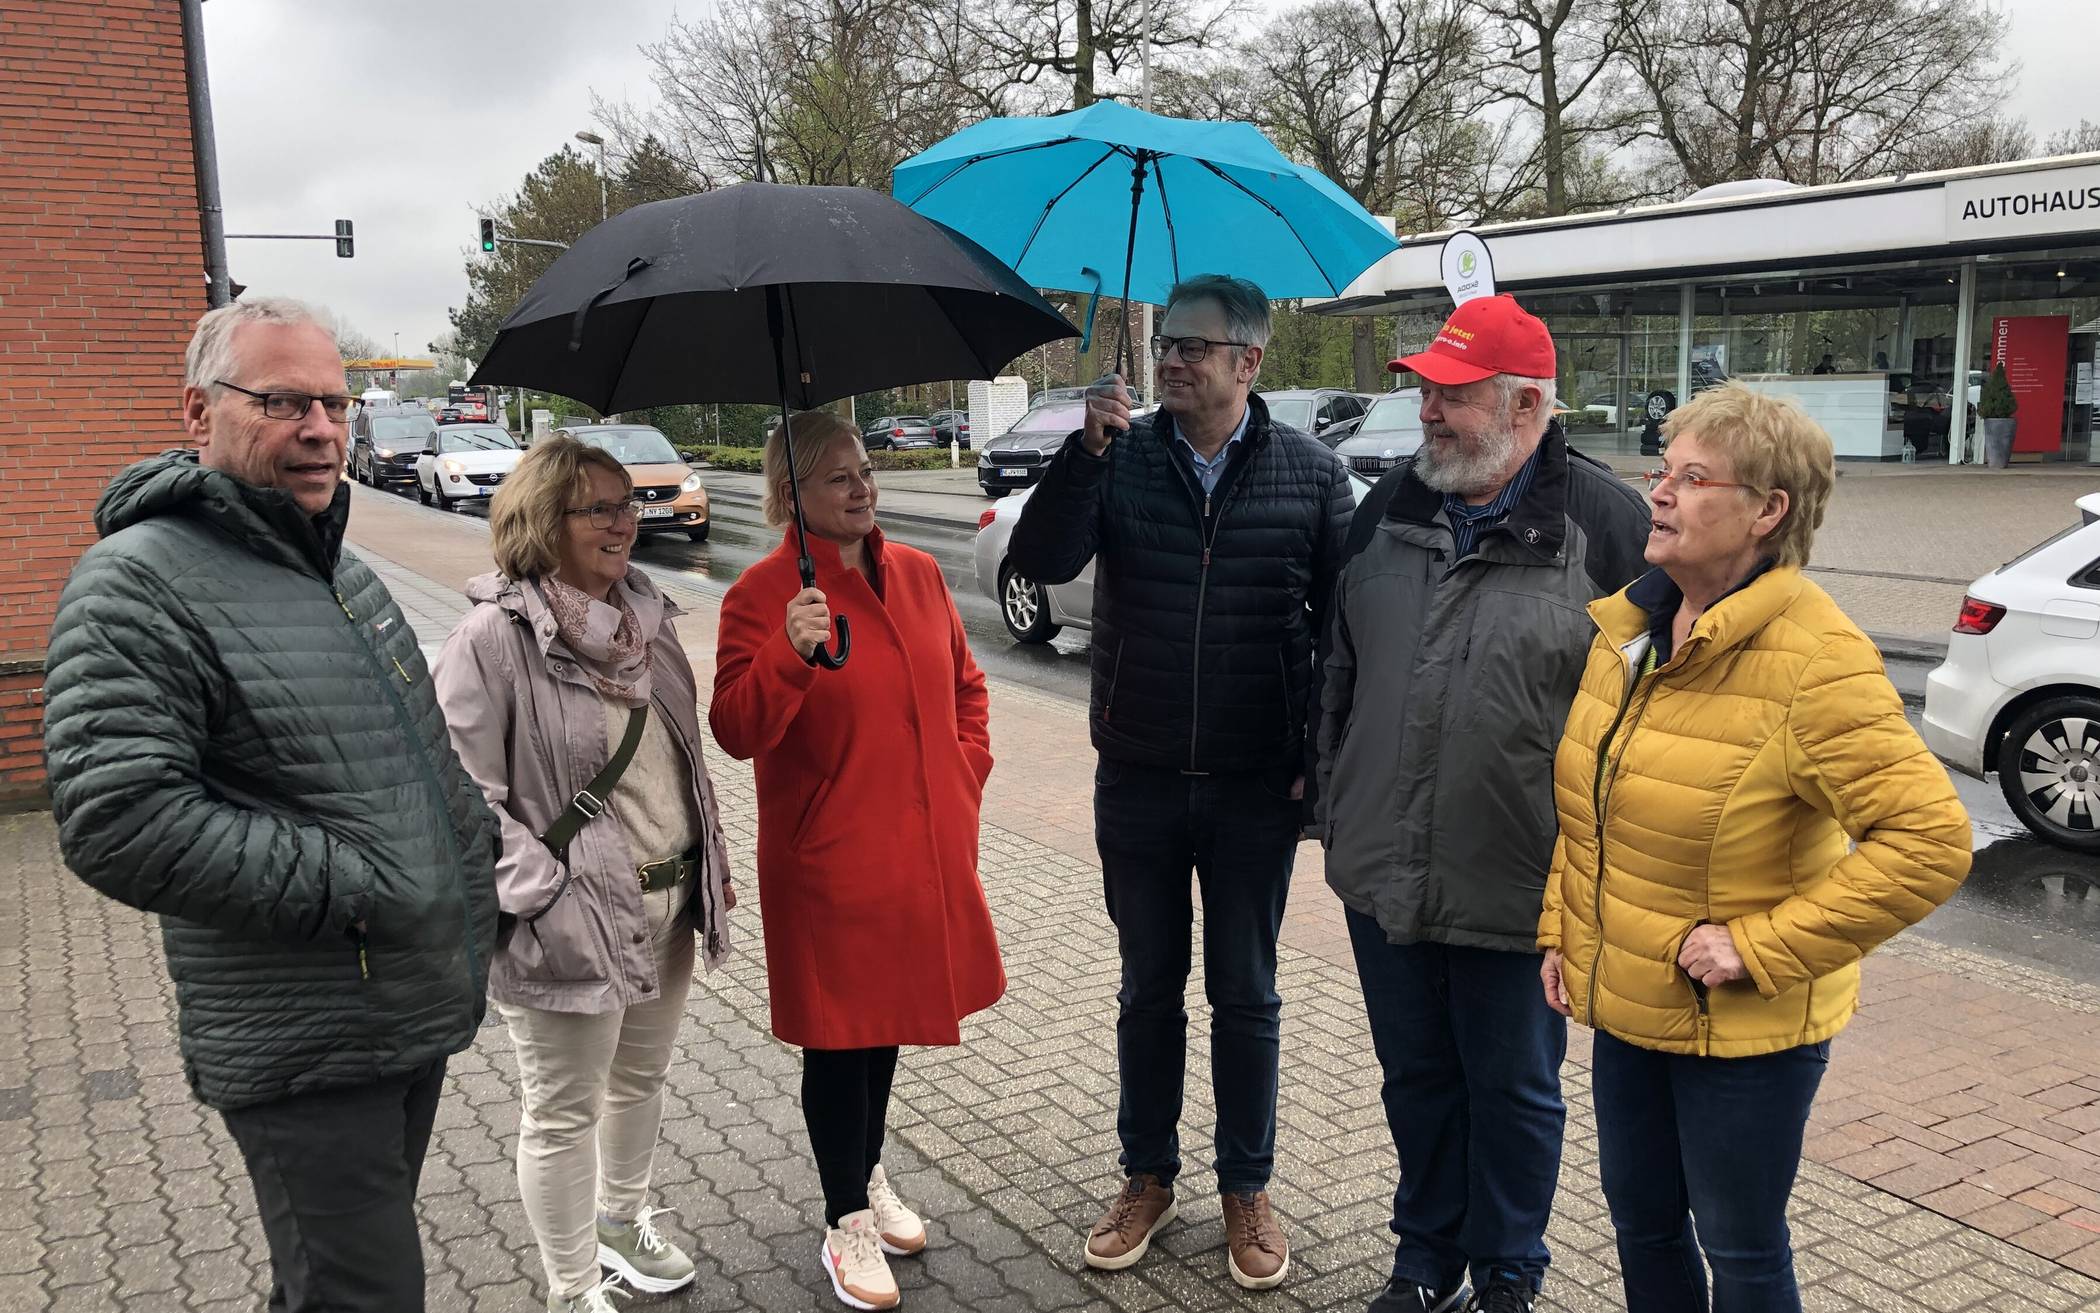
(1471, 1056)
(1239, 834)
(1712, 1141)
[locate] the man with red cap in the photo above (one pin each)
(1461, 602)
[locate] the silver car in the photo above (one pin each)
(1033, 612)
(1390, 432)
(899, 433)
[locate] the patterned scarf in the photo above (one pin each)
(607, 639)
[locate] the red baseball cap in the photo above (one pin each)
(1488, 335)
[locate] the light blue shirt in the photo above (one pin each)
(1208, 471)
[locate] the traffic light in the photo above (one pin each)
(488, 235)
(345, 244)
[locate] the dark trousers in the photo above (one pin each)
(335, 1181)
(1238, 833)
(1712, 1141)
(846, 1105)
(1471, 1056)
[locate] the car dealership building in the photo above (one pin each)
(1878, 305)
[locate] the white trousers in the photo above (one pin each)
(592, 1089)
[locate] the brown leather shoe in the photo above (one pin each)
(1125, 1231)
(1255, 1248)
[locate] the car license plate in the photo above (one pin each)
(656, 512)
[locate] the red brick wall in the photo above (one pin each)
(101, 279)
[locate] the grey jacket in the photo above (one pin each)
(530, 728)
(1444, 691)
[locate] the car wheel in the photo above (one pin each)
(698, 535)
(1025, 608)
(2049, 769)
(422, 493)
(445, 503)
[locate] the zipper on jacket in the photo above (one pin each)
(364, 963)
(430, 779)
(1210, 537)
(1600, 794)
(1115, 675)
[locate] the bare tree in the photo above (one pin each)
(1809, 93)
(1559, 59)
(2074, 141)
(1045, 43)
(1990, 140)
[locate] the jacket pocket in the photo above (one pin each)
(561, 944)
(812, 812)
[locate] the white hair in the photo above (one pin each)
(210, 355)
(1511, 384)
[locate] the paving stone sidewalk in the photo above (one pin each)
(118, 1192)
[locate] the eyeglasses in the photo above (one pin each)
(1191, 349)
(1657, 478)
(606, 514)
(293, 405)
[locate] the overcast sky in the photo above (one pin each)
(402, 116)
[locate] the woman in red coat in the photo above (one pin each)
(869, 780)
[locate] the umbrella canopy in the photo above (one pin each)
(1053, 197)
(677, 302)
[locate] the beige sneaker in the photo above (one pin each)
(1125, 1231)
(852, 1256)
(898, 1227)
(1256, 1252)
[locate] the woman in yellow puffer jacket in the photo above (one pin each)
(1745, 813)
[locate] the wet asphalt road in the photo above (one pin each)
(2024, 899)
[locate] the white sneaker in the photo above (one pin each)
(852, 1256)
(898, 1227)
(598, 1299)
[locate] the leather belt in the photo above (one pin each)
(668, 873)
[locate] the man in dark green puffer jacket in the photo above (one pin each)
(242, 738)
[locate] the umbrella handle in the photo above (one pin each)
(832, 659)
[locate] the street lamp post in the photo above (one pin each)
(593, 139)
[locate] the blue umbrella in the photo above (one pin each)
(1109, 194)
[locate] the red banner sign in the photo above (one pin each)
(2034, 350)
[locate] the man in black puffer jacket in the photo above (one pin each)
(241, 737)
(1217, 535)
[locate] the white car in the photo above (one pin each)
(465, 462)
(2019, 692)
(1033, 612)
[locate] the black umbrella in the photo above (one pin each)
(767, 293)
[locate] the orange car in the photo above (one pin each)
(673, 499)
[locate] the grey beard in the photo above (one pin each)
(1478, 467)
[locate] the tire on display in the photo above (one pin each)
(1025, 607)
(2049, 770)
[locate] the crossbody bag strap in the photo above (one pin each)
(591, 801)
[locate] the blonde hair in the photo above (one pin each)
(1771, 444)
(815, 431)
(526, 520)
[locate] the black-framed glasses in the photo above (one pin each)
(294, 405)
(606, 514)
(1191, 349)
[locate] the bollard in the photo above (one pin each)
(954, 454)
